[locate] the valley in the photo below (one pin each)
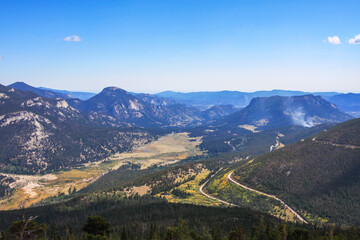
(31, 189)
(180, 120)
(120, 150)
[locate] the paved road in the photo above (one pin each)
(229, 143)
(267, 195)
(209, 196)
(337, 144)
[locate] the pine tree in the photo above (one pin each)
(97, 225)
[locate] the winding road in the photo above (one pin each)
(249, 189)
(336, 144)
(229, 143)
(267, 195)
(262, 193)
(209, 196)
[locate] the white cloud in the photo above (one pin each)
(334, 40)
(355, 40)
(72, 38)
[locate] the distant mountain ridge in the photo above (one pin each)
(276, 111)
(117, 106)
(349, 102)
(218, 110)
(236, 98)
(257, 126)
(42, 92)
(79, 95)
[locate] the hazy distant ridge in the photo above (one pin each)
(236, 98)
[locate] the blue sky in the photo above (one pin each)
(181, 45)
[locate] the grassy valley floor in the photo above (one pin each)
(28, 190)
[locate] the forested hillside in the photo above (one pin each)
(149, 218)
(319, 175)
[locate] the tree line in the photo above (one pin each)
(98, 228)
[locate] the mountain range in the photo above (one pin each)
(38, 132)
(302, 149)
(42, 134)
(79, 95)
(236, 98)
(118, 107)
(41, 92)
(204, 100)
(276, 111)
(349, 103)
(255, 128)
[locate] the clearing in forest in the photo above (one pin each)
(191, 190)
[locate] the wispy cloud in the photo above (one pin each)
(334, 40)
(355, 40)
(1, 57)
(73, 38)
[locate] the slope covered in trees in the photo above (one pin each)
(148, 218)
(121, 211)
(319, 175)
